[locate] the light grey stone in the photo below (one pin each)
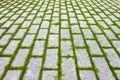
(38, 48)
(34, 68)
(110, 34)
(91, 20)
(45, 24)
(11, 47)
(113, 57)
(64, 16)
(51, 58)
(103, 41)
(68, 69)
(19, 20)
(30, 17)
(28, 40)
(117, 73)
(2, 31)
(96, 29)
(7, 24)
(33, 29)
(12, 29)
(64, 24)
(3, 62)
(83, 24)
(20, 33)
(116, 45)
(12, 75)
(78, 41)
(75, 29)
(115, 29)
(103, 68)
(54, 29)
(65, 34)
(93, 46)
(53, 41)
(73, 20)
(102, 24)
(87, 33)
(49, 75)
(4, 40)
(87, 75)
(80, 17)
(66, 48)
(20, 58)
(42, 34)
(26, 24)
(37, 21)
(83, 58)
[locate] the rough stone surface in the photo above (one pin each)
(59, 40)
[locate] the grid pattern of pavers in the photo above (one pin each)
(59, 40)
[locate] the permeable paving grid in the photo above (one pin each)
(60, 40)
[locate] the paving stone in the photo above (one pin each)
(103, 68)
(55, 20)
(73, 20)
(38, 48)
(7, 24)
(64, 16)
(113, 57)
(49, 75)
(30, 17)
(83, 24)
(75, 29)
(37, 21)
(33, 29)
(14, 73)
(65, 34)
(110, 34)
(53, 41)
(103, 24)
(78, 41)
(20, 33)
(4, 40)
(87, 33)
(28, 40)
(11, 47)
(26, 24)
(2, 31)
(3, 62)
(19, 20)
(54, 29)
(68, 69)
(87, 75)
(96, 29)
(116, 45)
(66, 39)
(103, 41)
(94, 48)
(20, 58)
(33, 70)
(66, 48)
(64, 24)
(117, 73)
(12, 29)
(80, 17)
(115, 29)
(42, 34)
(51, 57)
(45, 24)
(91, 20)
(83, 58)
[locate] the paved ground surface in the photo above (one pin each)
(60, 40)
